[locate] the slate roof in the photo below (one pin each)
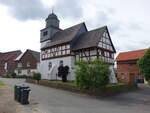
(131, 55)
(65, 35)
(9, 55)
(35, 54)
(86, 39)
(89, 39)
(52, 16)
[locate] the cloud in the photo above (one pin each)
(26, 9)
(134, 26)
(35, 9)
(102, 19)
(69, 9)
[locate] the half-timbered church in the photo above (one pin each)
(76, 43)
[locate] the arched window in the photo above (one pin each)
(50, 65)
(61, 62)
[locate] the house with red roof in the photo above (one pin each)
(7, 63)
(127, 68)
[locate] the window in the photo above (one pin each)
(19, 71)
(68, 51)
(56, 53)
(28, 64)
(49, 51)
(63, 47)
(122, 76)
(5, 66)
(102, 53)
(100, 44)
(45, 33)
(63, 52)
(68, 46)
(131, 66)
(19, 64)
(99, 51)
(50, 65)
(29, 71)
(59, 52)
(112, 55)
(61, 62)
(43, 56)
(132, 74)
(105, 53)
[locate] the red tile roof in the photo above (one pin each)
(131, 55)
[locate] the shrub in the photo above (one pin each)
(8, 76)
(13, 75)
(93, 75)
(148, 82)
(144, 65)
(37, 76)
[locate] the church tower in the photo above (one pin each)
(52, 26)
(52, 20)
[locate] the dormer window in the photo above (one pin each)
(45, 33)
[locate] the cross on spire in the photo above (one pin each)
(52, 10)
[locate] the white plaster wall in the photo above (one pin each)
(51, 74)
(112, 76)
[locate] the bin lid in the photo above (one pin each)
(22, 86)
(25, 90)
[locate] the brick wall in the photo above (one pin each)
(28, 58)
(127, 71)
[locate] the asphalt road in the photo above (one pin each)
(49, 100)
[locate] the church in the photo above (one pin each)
(76, 43)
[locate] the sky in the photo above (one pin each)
(128, 21)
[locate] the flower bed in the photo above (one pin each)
(111, 89)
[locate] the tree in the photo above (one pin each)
(14, 75)
(144, 65)
(63, 72)
(93, 75)
(37, 76)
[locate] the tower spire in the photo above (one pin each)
(52, 19)
(52, 10)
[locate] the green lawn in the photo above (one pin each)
(2, 84)
(73, 83)
(65, 83)
(115, 84)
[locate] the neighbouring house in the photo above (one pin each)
(76, 43)
(127, 68)
(7, 63)
(27, 62)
